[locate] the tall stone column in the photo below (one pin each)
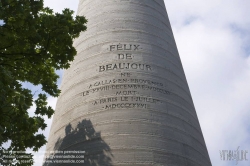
(125, 99)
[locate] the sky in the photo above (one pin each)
(213, 39)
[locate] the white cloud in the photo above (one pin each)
(212, 37)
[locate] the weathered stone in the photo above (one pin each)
(125, 99)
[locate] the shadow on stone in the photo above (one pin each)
(81, 139)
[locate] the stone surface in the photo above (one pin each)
(125, 100)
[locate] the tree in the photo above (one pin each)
(34, 42)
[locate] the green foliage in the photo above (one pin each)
(34, 42)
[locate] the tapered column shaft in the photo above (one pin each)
(125, 99)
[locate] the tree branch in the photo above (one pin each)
(7, 47)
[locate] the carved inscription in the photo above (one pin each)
(124, 56)
(126, 87)
(120, 99)
(124, 47)
(133, 66)
(106, 100)
(124, 93)
(128, 91)
(126, 102)
(126, 105)
(125, 81)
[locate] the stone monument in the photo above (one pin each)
(125, 99)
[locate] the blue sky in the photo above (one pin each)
(213, 39)
(1, 22)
